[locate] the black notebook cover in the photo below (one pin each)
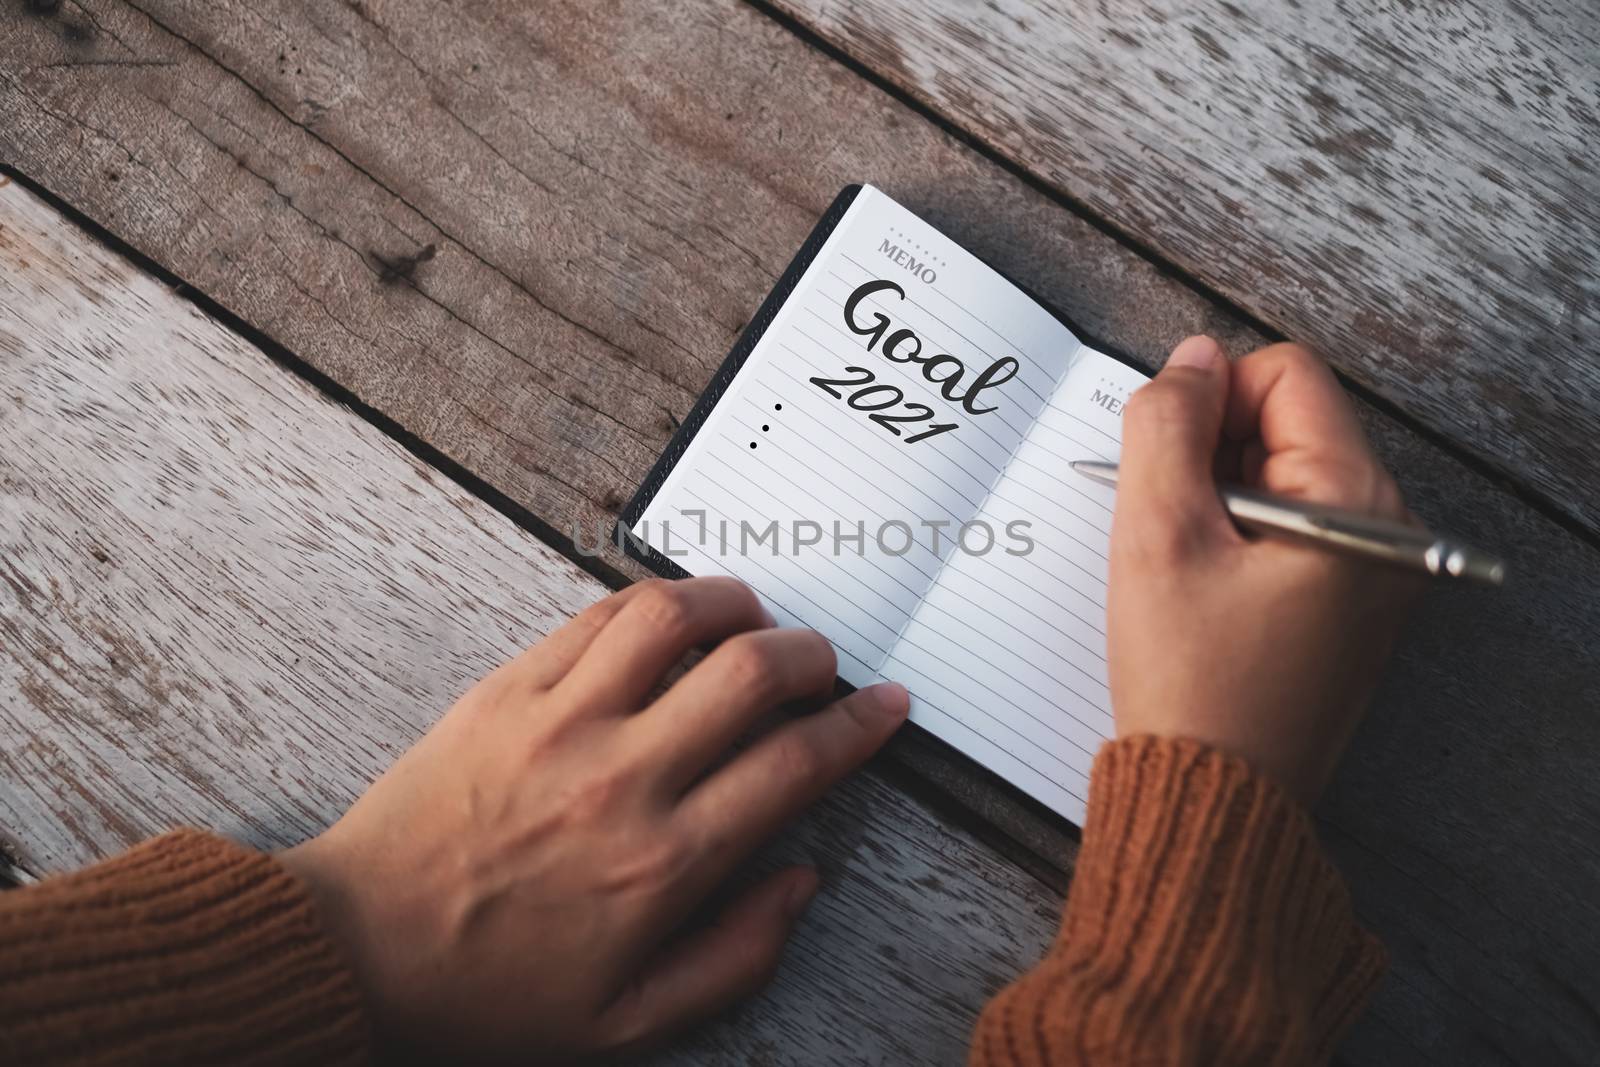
(719, 385)
(753, 332)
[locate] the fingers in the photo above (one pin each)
(696, 720)
(1287, 397)
(653, 630)
(546, 663)
(1301, 434)
(745, 802)
(715, 967)
(1170, 433)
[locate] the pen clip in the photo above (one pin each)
(1440, 557)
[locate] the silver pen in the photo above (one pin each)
(1343, 530)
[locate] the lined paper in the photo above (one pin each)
(1003, 650)
(1008, 652)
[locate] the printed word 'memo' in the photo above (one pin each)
(902, 258)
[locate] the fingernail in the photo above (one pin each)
(767, 614)
(1199, 351)
(801, 894)
(891, 699)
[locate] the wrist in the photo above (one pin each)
(319, 873)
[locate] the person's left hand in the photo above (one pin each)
(514, 887)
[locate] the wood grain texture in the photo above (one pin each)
(1415, 188)
(619, 149)
(227, 602)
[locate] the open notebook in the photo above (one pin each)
(883, 458)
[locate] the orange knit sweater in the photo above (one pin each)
(1203, 926)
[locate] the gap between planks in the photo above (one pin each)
(1410, 188)
(1498, 474)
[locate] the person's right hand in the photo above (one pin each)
(1261, 647)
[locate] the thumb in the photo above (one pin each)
(1170, 432)
(711, 969)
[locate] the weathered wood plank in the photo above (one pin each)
(226, 601)
(1413, 187)
(1465, 804)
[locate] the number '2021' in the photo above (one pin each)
(876, 398)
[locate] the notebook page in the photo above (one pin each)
(827, 434)
(1007, 651)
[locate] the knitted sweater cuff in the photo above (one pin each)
(186, 948)
(1204, 924)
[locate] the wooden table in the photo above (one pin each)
(321, 324)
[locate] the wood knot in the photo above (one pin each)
(402, 268)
